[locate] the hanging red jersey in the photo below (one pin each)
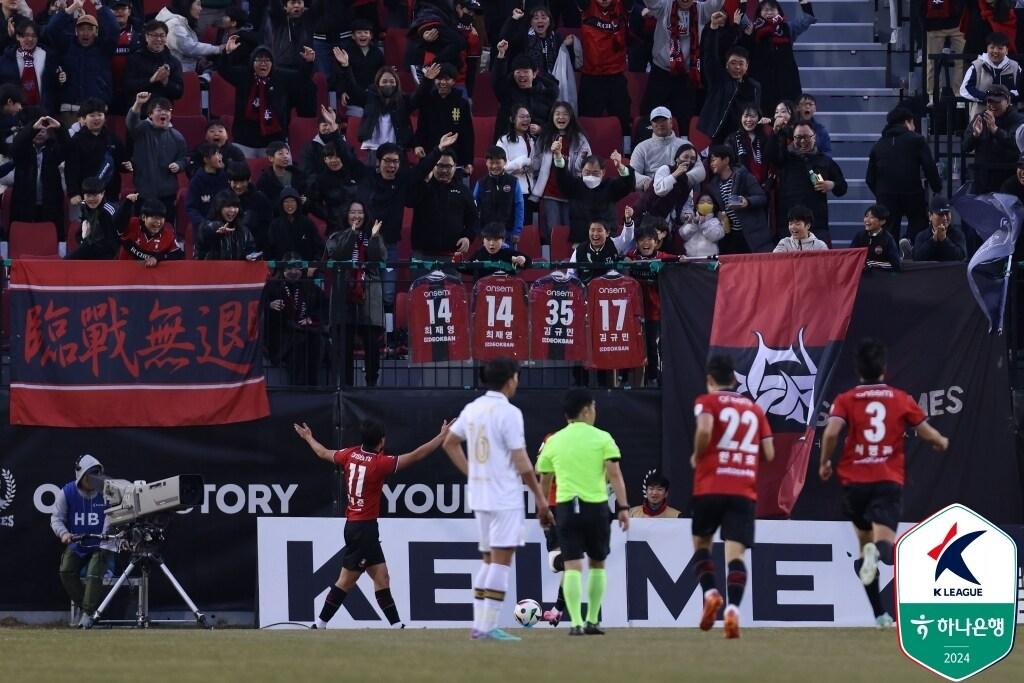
(500, 321)
(438, 319)
(558, 319)
(616, 310)
(728, 466)
(365, 473)
(876, 417)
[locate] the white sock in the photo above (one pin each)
(497, 581)
(320, 623)
(479, 581)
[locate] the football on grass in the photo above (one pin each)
(527, 612)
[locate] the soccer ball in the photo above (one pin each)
(527, 612)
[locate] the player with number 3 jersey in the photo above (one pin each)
(732, 435)
(870, 469)
(365, 468)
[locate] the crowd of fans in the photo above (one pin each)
(726, 157)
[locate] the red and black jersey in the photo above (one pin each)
(728, 466)
(604, 35)
(616, 311)
(876, 416)
(137, 244)
(558, 319)
(648, 279)
(500, 321)
(365, 473)
(438, 319)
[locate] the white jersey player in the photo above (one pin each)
(496, 469)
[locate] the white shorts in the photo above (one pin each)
(500, 528)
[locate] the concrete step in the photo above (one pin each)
(852, 144)
(853, 167)
(848, 210)
(857, 188)
(839, 10)
(843, 231)
(853, 102)
(852, 121)
(838, 54)
(839, 32)
(852, 77)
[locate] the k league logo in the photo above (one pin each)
(956, 593)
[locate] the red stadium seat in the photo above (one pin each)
(699, 140)
(192, 127)
(182, 224)
(222, 97)
(72, 235)
(604, 134)
(636, 83)
(322, 89)
(561, 248)
(117, 126)
(529, 242)
(321, 225)
(256, 166)
(300, 131)
(190, 103)
(153, 6)
(352, 132)
(394, 47)
(483, 134)
(484, 101)
(401, 310)
(32, 239)
(5, 212)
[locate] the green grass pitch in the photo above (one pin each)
(545, 654)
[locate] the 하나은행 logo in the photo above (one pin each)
(956, 593)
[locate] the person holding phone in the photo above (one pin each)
(738, 195)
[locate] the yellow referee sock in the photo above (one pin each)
(596, 582)
(572, 586)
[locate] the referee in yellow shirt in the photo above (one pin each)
(583, 458)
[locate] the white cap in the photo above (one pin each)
(84, 464)
(660, 111)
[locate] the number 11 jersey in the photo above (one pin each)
(365, 473)
(876, 417)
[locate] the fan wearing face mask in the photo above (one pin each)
(702, 231)
(592, 196)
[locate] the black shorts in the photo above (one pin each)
(879, 502)
(362, 546)
(583, 528)
(734, 515)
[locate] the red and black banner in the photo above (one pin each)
(783, 319)
(438, 319)
(616, 307)
(558, 319)
(500, 320)
(113, 344)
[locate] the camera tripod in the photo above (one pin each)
(143, 541)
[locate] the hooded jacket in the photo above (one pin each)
(793, 170)
(726, 97)
(539, 98)
(87, 68)
(233, 245)
(753, 220)
(284, 89)
(442, 215)
(99, 155)
(154, 150)
(141, 66)
(897, 161)
(183, 42)
(295, 232)
(259, 213)
(811, 243)
(983, 74)
(995, 154)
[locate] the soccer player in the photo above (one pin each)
(871, 466)
(582, 458)
(496, 469)
(732, 433)
(365, 468)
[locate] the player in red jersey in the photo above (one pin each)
(365, 468)
(732, 432)
(871, 466)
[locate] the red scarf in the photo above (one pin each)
(357, 288)
(676, 33)
(259, 108)
(29, 84)
(776, 30)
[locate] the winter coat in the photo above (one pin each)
(231, 246)
(101, 243)
(341, 246)
(439, 115)
(26, 172)
(982, 74)
(202, 188)
(753, 220)
(700, 237)
(442, 214)
(652, 154)
(793, 170)
(355, 79)
(995, 154)
(46, 76)
(183, 42)
(329, 192)
(399, 107)
(882, 249)
(812, 243)
(87, 68)
(154, 150)
(543, 164)
(897, 161)
(772, 62)
(142, 64)
(285, 88)
(384, 199)
(587, 206)
(100, 156)
(520, 161)
(953, 248)
(259, 213)
(538, 99)
(726, 97)
(270, 185)
(667, 192)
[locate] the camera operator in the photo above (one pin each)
(80, 509)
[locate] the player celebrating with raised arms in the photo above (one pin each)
(365, 468)
(583, 458)
(732, 432)
(871, 466)
(496, 469)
